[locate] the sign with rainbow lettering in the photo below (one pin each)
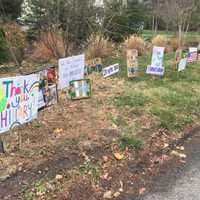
(18, 101)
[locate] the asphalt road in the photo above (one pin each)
(179, 181)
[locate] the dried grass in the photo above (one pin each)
(99, 46)
(160, 40)
(134, 42)
(174, 43)
(49, 46)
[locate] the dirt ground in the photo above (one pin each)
(68, 153)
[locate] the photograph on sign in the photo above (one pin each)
(18, 101)
(94, 65)
(132, 62)
(182, 64)
(51, 96)
(71, 68)
(80, 89)
(111, 70)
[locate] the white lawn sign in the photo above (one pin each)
(70, 69)
(156, 67)
(111, 70)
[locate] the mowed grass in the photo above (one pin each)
(171, 102)
(191, 37)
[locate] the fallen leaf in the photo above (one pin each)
(116, 194)
(59, 177)
(105, 158)
(118, 156)
(180, 148)
(108, 195)
(181, 155)
(142, 191)
(58, 130)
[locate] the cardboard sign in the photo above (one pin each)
(192, 55)
(111, 70)
(132, 62)
(156, 67)
(94, 65)
(70, 69)
(51, 96)
(182, 64)
(18, 101)
(80, 89)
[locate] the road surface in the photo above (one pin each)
(179, 182)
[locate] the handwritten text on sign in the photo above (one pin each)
(70, 69)
(111, 70)
(18, 101)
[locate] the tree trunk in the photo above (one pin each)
(179, 34)
(153, 22)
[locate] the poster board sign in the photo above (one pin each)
(80, 89)
(132, 63)
(70, 69)
(156, 67)
(111, 70)
(182, 64)
(192, 55)
(155, 70)
(18, 101)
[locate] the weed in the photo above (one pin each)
(94, 170)
(136, 100)
(130, 141)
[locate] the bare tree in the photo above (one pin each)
(178, 13)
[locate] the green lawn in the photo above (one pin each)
(149, 102)
(191, 37)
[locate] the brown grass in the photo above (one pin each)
(160, 40)
(99, 47)
(16, 40)
(174, 43)
(49, 46)
(134, 42)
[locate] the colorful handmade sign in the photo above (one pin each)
(182, 64)
(192, 55)
(94, 65)
(111, 70)
(132, 62)
(80, 89)
(18, 101)
(51, 96)
(156, 67)
(71, 68)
